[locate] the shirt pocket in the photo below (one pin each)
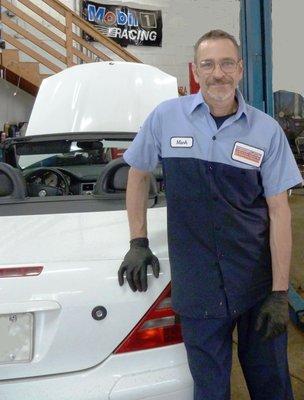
(241, 185)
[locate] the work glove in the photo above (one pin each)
(273, 316)
(135, 265)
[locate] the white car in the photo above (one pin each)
(67, 329)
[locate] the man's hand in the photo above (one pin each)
(135, 265)
(273, 316)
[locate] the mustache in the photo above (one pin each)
(219, 81)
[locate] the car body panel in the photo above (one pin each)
(80, 261)
(158, 374)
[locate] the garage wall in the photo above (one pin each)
(16, 108)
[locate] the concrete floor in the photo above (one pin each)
(296, 337)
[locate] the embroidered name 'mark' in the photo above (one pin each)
(181, 141)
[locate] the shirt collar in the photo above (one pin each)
(198, 100)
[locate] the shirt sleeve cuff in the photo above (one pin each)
(136, 164)
(288, 184)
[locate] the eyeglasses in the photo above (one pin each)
(227, 66)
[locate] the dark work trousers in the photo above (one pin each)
(209, 349)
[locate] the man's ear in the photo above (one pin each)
(194, 71)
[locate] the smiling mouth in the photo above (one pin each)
(219, 84)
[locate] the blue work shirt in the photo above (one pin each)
(216, 181)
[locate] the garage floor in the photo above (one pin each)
(296, 337)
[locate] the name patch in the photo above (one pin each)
(247, 154)
(182, 141)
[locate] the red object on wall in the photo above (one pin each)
(194, 87)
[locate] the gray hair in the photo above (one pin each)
(214, 35)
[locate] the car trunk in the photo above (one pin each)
(46, 322)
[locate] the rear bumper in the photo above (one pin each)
(160, 374)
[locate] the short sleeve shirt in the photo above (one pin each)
(216, 181)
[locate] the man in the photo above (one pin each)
(227, 167)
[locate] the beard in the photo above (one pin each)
(221, 96)
(218, 95)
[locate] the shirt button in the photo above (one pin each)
(210, 168)
(221, 303)
(213, 137)
(234, 311)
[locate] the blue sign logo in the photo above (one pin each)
(100, 15)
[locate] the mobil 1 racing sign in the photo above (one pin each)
(124, 24)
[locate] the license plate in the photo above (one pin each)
(16, 333)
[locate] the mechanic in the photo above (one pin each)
(227, 167)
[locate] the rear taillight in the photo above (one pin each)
(159, 327)
(15, 272)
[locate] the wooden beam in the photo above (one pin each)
(32, 53)
(81, 55)
(10, 55)
(57, 6)
(69, 39)
(27, 35)
(91, 48)
(31, 21)
(43, 15)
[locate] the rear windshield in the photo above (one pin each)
(63, 153)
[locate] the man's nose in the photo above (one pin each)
(217, 72)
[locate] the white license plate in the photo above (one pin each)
(16, 333)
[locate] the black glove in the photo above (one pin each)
(273, 316)
(135, 265)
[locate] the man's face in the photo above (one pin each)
(217, 84)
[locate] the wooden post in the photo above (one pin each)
(2, 45)
(69, 38)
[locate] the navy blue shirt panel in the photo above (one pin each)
(218, 232)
